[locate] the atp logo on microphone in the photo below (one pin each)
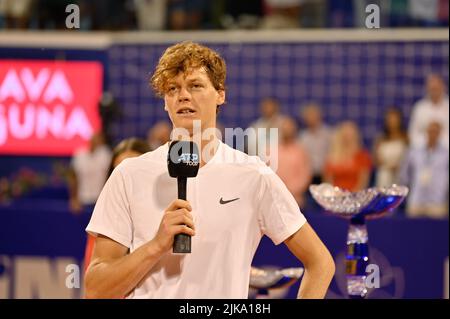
(190, 159)
(183, 159)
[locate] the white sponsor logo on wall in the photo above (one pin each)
(39, 277)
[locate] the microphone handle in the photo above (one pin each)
(182, 242)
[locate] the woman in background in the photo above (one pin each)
(294, 166)
(348, 164)
(390, 148)
(130, 147)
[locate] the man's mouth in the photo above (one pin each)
(186, 111)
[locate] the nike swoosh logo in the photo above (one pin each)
(227, 201)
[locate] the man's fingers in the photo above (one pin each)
(179, 212)
(182, 220)
(178, 229)
(179, 203)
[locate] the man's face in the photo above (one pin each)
(435, 88)
(269, 108)
(192, 97)
(289, 129)
(312, 117)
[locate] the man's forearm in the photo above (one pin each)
(315, 282)
(117, 278)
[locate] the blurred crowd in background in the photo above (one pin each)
(310, 151)
(127, 15)
(411, 149)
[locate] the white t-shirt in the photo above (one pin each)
(132, 203)
(317, 144)
(425, 112)
(91, 170)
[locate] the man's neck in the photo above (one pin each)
(207, 146)
(274, 117)
(208, 150)
(395, 134)
(315, 128)
(437, 100)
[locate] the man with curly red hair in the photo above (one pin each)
(234, 200)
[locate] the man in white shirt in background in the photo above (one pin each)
(88, 173)
(315, 138)
(432, 108)
(271, 117)
(425, 171)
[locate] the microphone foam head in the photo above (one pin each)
(183, 159)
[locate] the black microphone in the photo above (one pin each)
(182, 162)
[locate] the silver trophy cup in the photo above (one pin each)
(358, 207)
(264, 279)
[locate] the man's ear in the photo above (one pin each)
(220, 97)
(165, 105)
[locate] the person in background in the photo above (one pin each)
(270, 118)
(426, 13)
(315, 139)
(432, 108)
(187, 14)
(282, 14)
(390, 148)
(127, 148)
(240, 14)
(425, 170)
(313, 14)
(88, 173)
(270, 114)
(294, 167)
(151, 14)
(50, 14)
(158, 134)
(130, 147)
(348, 164)
(15, 13)
(113, 15)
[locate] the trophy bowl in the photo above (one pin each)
(371, 203)
(270, 278)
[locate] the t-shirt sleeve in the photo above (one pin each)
(279, 214)
(111, 216)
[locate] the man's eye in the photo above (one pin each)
(196, 86)
(172, 88)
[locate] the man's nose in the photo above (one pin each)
(184, 95)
